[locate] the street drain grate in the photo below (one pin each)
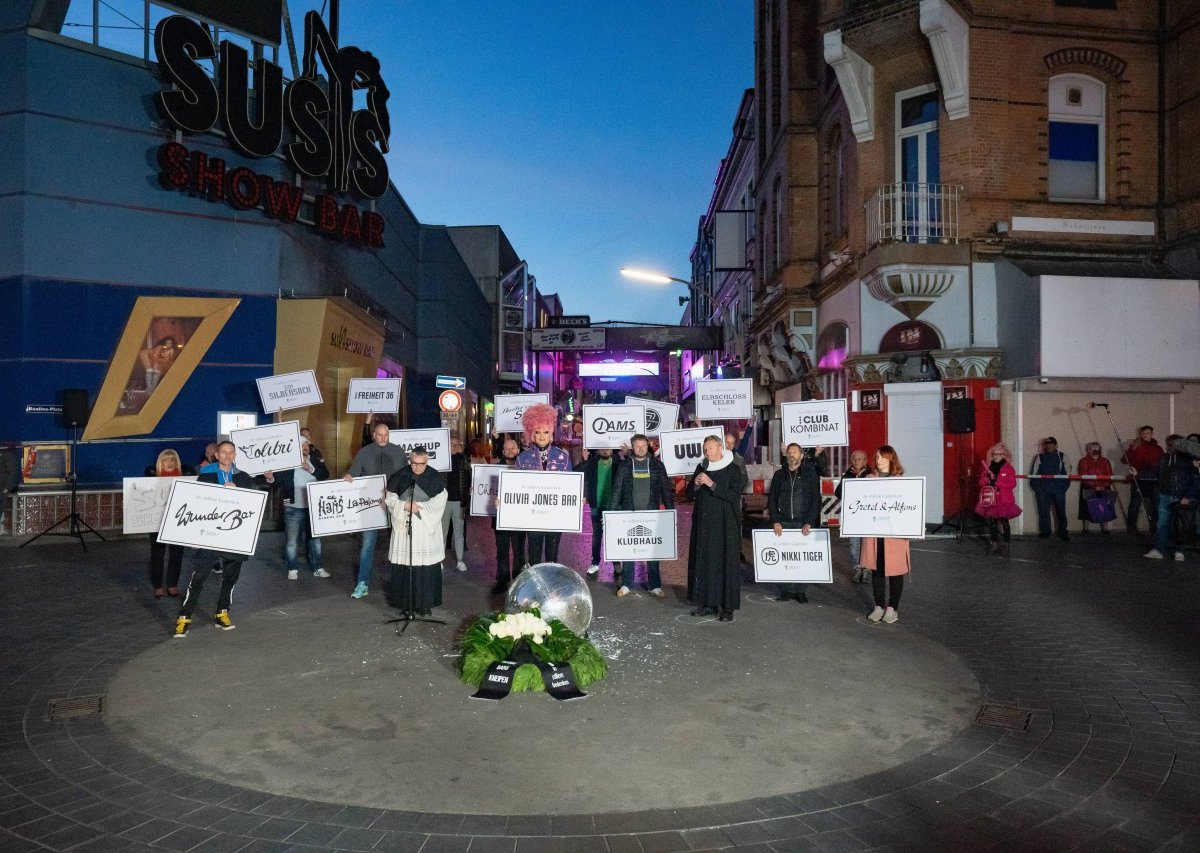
(1001, 717)
(75, 706)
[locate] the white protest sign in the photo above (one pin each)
(270, 447)
(219, 518)
(883, 506)
(724, 399)
(659, 416)
(335, 506)
(640, 535)
(540, 501)
(816, 423)
(373, 396)
(435, 440)
(289, 391)
(792, 557)
(681, 450)
(611, 426)
(485, 486)
(144, 500)
(510, 408)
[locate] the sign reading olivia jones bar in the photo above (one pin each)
(331, 139)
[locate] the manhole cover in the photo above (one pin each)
(1017, 719)
(75, 706)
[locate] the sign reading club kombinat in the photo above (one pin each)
(328, 137)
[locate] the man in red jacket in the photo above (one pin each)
(1142, 457)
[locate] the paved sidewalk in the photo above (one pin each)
(1099, 645)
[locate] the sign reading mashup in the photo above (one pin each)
(289, 391)
(373, 396)
(659, 416)
(884, 506)
(640, 535)
(611, 426)
(681, 450)
(724, 399)
(145, 500)
(540, 501)
(510, 408)
(816, 423)
(485, 486)
(270, 447)
(220, 518)
(792, 557)
(435, 440)
(335, 506)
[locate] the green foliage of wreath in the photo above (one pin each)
(480, 648)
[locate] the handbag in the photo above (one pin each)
(1102, 507)
(987, 500)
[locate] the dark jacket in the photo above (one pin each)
(209, 474)
(1050, 463)
(795, 496)
(373, 460)
(849, 474)
(285, 481)
(9, 466)
(591, 474)
(458, 481)
(662, 488)
(1177, 476)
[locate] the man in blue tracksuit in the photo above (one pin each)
(794, 502)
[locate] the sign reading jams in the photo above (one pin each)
(332, 140)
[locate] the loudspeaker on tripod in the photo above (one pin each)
(960, 416)
(75, 407)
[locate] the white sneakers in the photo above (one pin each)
(293, 574)
(622, 592)
(890, 616)
(321, 573)
(462, 567)
(593, 571)
(1153, 554)
(1178, 556)
(657, 592)
(876, 615)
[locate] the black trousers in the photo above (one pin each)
(1147, 489)
(543, 547)
(203, 563)
(510, 554)
(998, 526)
(886, 591)
(597, 534)
(164, 560)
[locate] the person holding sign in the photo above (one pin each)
(598, 470)
(222, 473)
(794, 502)
(540, 455)
(886, 558)
(510, 544)
(714, 559)
(416, 498)
(859, 467)
(641, 483)
(458, 487)
(293, 488)
(164, 559)
(379, 458)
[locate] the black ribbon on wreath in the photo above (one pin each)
(497, 681)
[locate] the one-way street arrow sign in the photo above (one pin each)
(451, 382)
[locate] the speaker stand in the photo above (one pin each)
(74, 521)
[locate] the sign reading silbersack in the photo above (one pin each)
(373, 396)
(724, 399)
(611, 426)
(331, 139)
(681, 450)
(289, 391)
(816, 423)
(792, 557)
(640, 535)
(510, 408)
(435, 441)
(220, 518)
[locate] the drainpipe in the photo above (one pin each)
(1160, 212)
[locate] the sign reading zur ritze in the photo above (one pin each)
(330, 139)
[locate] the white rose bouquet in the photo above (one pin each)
(516, 626)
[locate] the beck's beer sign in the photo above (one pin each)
(325, 136)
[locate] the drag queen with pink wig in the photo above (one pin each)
(541, 455)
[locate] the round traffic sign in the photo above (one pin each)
(450, 401)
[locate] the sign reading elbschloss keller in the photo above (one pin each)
(640, 535)
(681, 450)
(335, 506)
(659, 416)
(332, 140)
(883, 506)
(435, 440)
(816, 423)
(540, 501)
(205, 515)
(485, 487)
(270, 447)
(566, 339)
(612, 426)
(289, 391)
(724, 399)
(792, 557)
(510, 408)
(144, 501)
(378, 396)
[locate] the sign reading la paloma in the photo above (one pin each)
(331, 139)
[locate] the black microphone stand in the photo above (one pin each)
(76, 520)
(409, 614)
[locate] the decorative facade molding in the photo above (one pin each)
(1074, 57)
(951, 364)
(912, 288)
(949, 38)
(856, 78)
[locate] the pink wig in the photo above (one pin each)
(538, 417)
(999, 447)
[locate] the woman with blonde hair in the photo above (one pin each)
(885, 557)
(166, 559)
(997, 502)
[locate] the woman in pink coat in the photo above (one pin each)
(999, 474)
(886, 558)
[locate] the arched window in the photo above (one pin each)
(833, 344)
(1076, 111)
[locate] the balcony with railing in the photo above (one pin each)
(913, 213)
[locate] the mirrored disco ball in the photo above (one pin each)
(557, 591)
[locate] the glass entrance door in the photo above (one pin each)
(917, 164)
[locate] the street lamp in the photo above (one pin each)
(659, 278)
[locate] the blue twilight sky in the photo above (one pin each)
(590, 132)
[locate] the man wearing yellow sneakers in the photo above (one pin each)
(204, 561)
